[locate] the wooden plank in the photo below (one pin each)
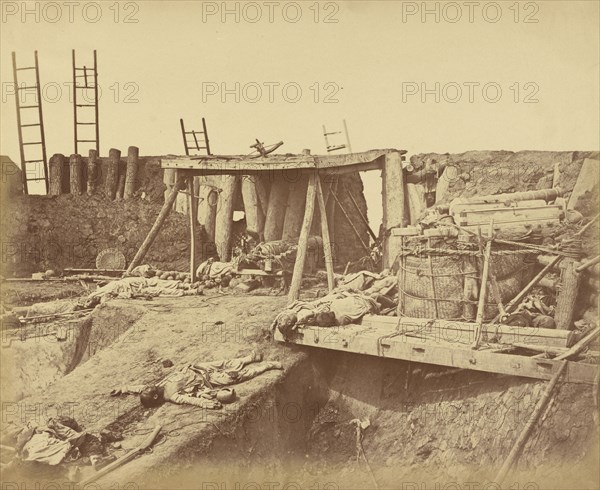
(258, 272)
(464, 332)
(325, 235)
(303, 241)
(378, 342)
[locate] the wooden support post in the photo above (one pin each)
(294, 212)
(251, 205)
(567, 296)
(92, 172)
(276, 209)
(394, 201)
(262, 192)
(57, 163)
(112, 173)
(132, 170)
(207, 209)
(121, 182)
(160, 219)
(193, 212)
(325, 235)
(76, 174)
(224, 218)
(303, 241)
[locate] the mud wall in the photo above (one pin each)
(55, 232)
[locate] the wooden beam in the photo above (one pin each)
(303, 241)
(224, 224)
(160, 219)
(243, 165)
(193, 215)
(325, 234)
(383, 342)
(567, 295)
(394, 202)
(276, 208)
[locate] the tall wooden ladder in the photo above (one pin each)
(32, 121)
(85, 80)
(195, 144)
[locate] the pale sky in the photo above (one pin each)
(368, 64)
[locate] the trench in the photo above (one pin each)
(34, 358)
(430, 427)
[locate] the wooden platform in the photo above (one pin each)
(242, 164)
(384, 341)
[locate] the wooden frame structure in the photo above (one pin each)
(389, 161)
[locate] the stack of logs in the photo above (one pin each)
(273, 204)
(75, 176)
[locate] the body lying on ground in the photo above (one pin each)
(337, 308)
(198, 384)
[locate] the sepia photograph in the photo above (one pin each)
(300, 245)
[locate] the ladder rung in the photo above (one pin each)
(26, 68)
(29, 125)
(27, 87)
(86, 141)
(34, 143)
(85, 123)
(33, 161)
(86, 68)
(39, 178)
(194, 132)
(28, 106)
(86, 105)
(85, 87)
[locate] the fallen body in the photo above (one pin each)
(197, 384)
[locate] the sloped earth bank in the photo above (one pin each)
(429, 427)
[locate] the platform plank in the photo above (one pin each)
(383, 341)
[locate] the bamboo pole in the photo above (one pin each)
(325, 234)
(483, 286)
(303, 241)
(579, 346)
(160, 219)
(524, 435)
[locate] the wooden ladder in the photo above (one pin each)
(39, 122)
(195, 145)
(84, 80)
